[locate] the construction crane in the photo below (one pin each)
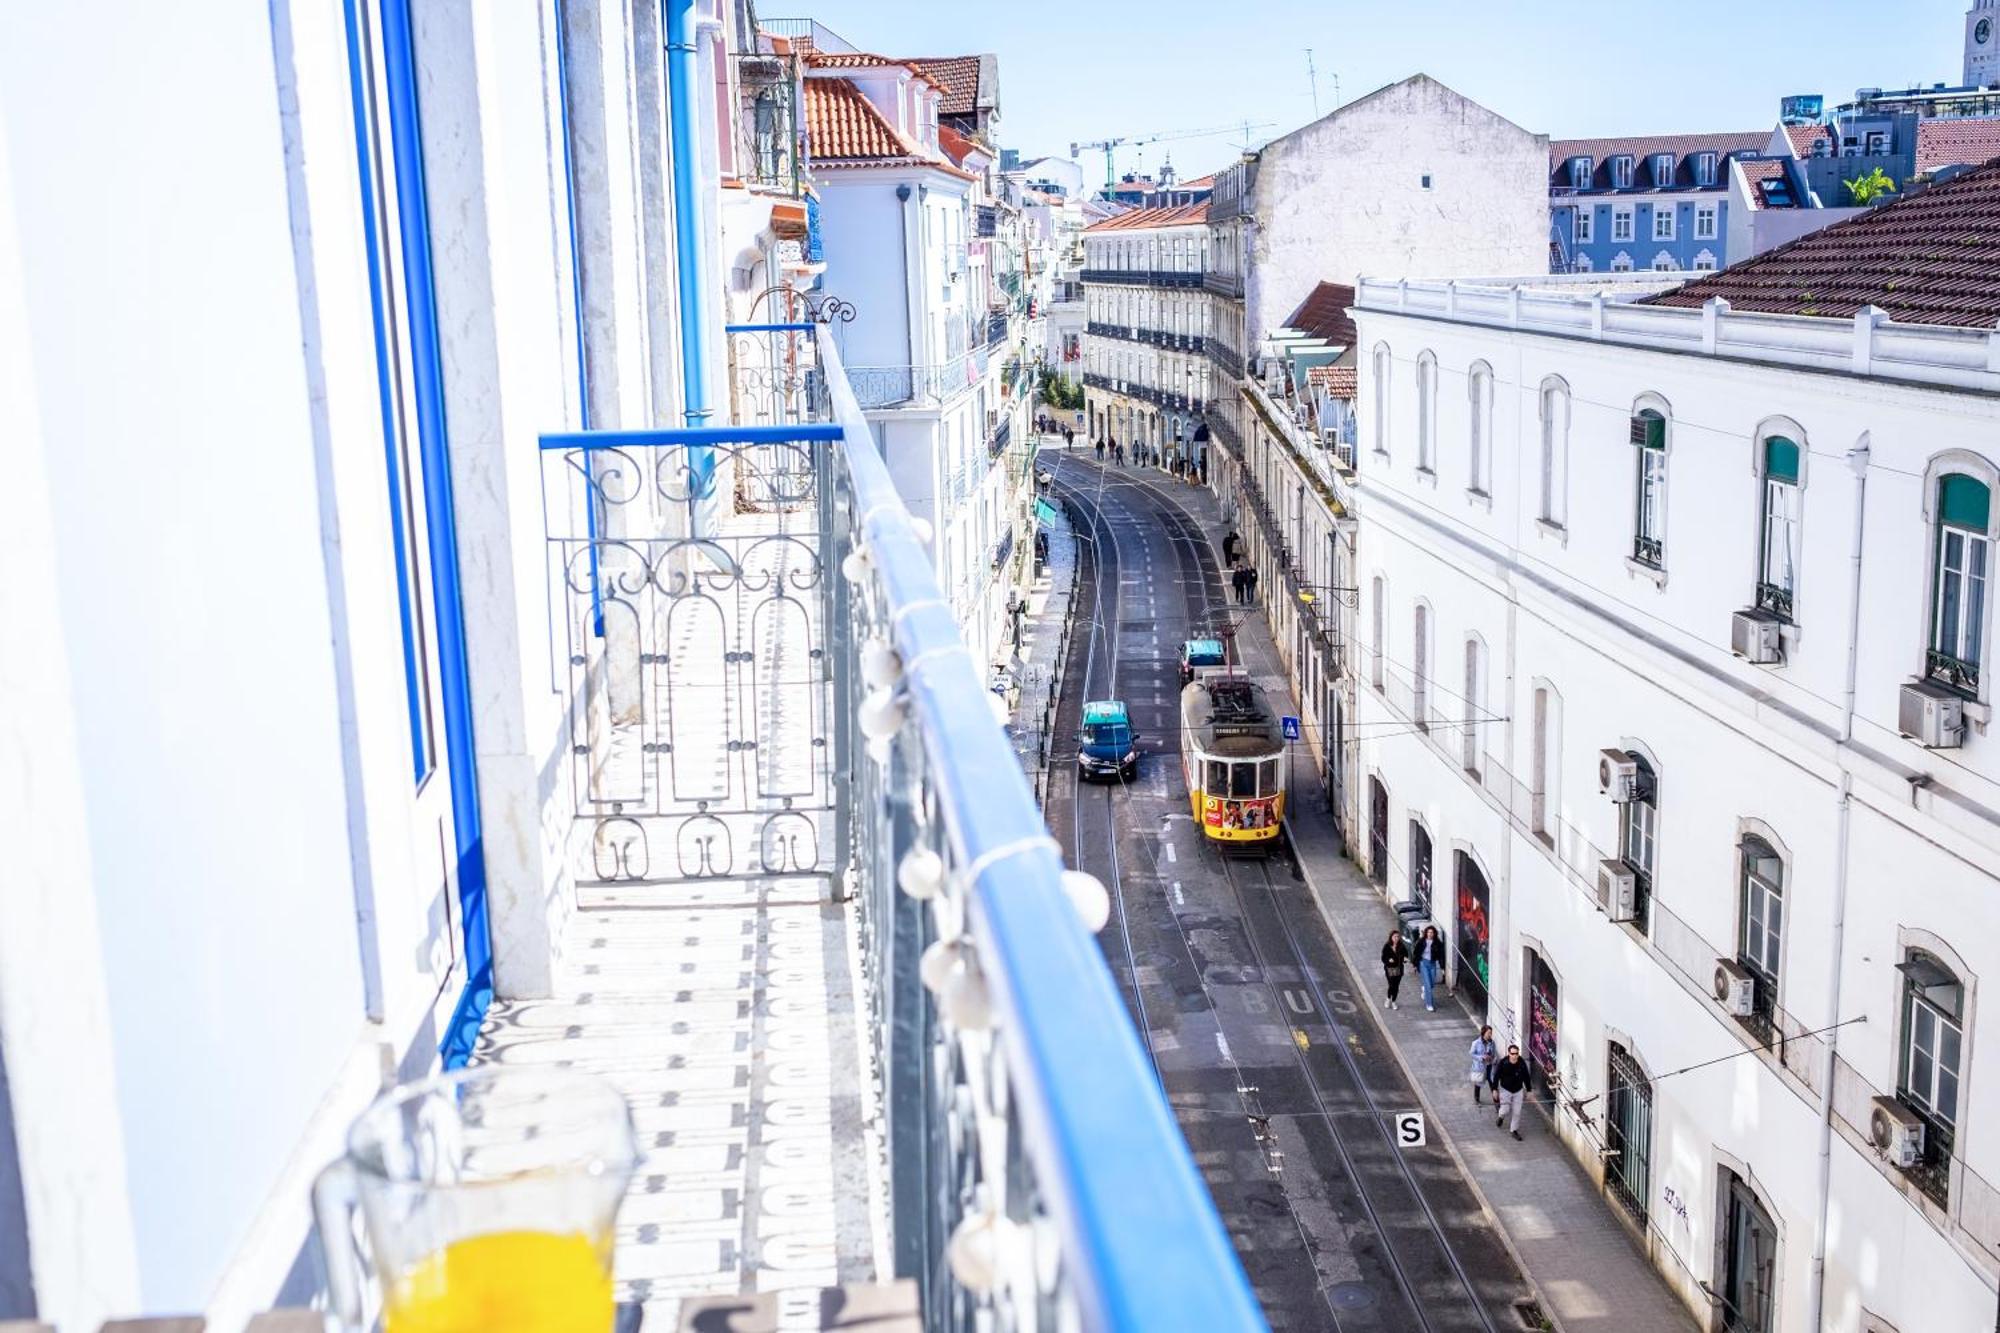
(1109, 146)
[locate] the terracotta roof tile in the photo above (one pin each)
(846, 127)
(1933, 258)
(958, 76)
(864, 60)
(1334, 381)
(1324, 314)
(1950, 143)
(1643, 147)
(1181, 215)
(954, 144)
(1804, 136)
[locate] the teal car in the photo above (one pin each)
(1197, 654)
(1107, 744)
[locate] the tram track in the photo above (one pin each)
(1260, 1046)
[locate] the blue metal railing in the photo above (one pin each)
(1143, 1247)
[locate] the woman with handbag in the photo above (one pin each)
(1395, 957)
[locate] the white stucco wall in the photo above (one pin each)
(1640, 663)
(1345, 196)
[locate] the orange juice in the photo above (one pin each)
(507, 1282)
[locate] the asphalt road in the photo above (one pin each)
(1264, 1042)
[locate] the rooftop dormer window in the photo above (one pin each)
(1579, 173)
(1621, 172)
(1704, 168)
(1663, 168)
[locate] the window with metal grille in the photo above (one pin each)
(1628, 1132)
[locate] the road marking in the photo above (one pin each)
(1222, 1044)
(1170, 853)
(1179, 901)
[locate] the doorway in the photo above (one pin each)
(1474, 929)
(1544, 1004)
(1378, 833)
(1420, 867)
(1749, 1259)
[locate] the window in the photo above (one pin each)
(1663, 168)
(1420, 669)
(1649, 534)
(1580, 224)
(1638, 830)
(1543, 796)
(1583, 264)
(1427, 181)
(1704, 222)
(1475, 689)
(1704, 262)
(1621, 262)
(1621, 222)
(1762, 925)
(1621, 172)
(1579, 173)
(1479, 434)
(1663, 222)
(1555, 449)
(1427, 372)
(1381, 630)
(1664, 263)
(1704, 168)
(1930, 1067)
(1778, 542)
(1379, 391)
(1958, 610)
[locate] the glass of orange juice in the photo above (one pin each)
(486, 1200)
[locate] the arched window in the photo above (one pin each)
(1761, 877)
(1475, 701)
(1932, 1061)
(1628, 1129)
(1555, 450)
(1479, 435)
(1427, 373)
(1778, 459)
(1649, 524)
(1420, 668)
(1378, 390)
(1958, 600)
(1638, 839)
(1544, 793)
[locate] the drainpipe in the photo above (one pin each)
(1857, 463)
(689, 231)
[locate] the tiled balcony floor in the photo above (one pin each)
(725, 1011)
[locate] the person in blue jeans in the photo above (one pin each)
(1430, 964)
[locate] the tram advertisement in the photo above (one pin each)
(1249, 817)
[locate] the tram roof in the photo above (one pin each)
(1229, 717)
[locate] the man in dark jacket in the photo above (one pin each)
(1510, 1076)
(1230, 541)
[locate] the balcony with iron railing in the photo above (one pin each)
(1224, 356)
(770, 147)
(1223, 284)
(774, 712)
(897, 386)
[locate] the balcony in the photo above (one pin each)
(1223, 284)
(769, 149)
(896, 386)
(1223, 356)
(778, 737)
(996, 328)
(986, 220)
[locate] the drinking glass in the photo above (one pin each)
(487, 1197)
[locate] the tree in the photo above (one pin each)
(1865, 190)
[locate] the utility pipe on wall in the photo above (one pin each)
(1857, 462)
(683, 73)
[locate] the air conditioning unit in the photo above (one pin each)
(1618, 776)
(1617, 889)
(1896, 1131)
(1735, 987)
(1754, 636)
(1931, 715)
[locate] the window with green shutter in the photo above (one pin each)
(1958, 608)
(1778, 550)
(1649, 538)
(1781, 460)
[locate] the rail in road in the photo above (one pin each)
(1281, 1082)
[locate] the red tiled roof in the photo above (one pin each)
(1933, 258)
(1183, 215)
(1334, 381)
(846, 127)
(1324, 314)
(1803, 137)
(1644, 145)
(954, 144)
(864, 60)
(1198, 183)
(1760, 171)
(1950, 143)
(958, 76)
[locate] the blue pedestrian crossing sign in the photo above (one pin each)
(1291, 726)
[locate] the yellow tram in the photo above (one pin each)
(1232, 753)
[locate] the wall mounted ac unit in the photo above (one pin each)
(1896, 1131)
(1931, 715)
(1754, 636)
(1617, 888)
(1735, 987)
(1618, 776)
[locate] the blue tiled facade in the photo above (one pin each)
(1659, 202)
(1699, 225)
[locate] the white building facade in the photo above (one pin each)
(1145, 379)
(1651, 603)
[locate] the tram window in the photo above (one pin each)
(1267, 777)
(1218, 777)
(1243, 780)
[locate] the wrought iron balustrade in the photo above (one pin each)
(1649, 551)
(770, 143)
(1955, 672)
(891, 386)
(1120, 277)
(996, 328)
(764, 679)
(1223, 284)
(1224, 356)
(1775, 598)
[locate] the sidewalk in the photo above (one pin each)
(1044, 637)
(1588, 1272)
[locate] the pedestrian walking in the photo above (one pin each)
(1069, 438)
(1510, 1077)
(1098, 444)
(1430, 964)
(1249, 585)
(1395, 957)
(1239, 584)
(1484, 1056)
(1230, 541)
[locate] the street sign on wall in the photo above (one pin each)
(1291, 726)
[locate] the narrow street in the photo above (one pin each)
(1282, 1085)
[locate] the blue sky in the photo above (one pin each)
(1093, 69)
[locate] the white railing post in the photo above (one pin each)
(1993, 350)
(1712, 311)
(1597, 315)
(1866, 320)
